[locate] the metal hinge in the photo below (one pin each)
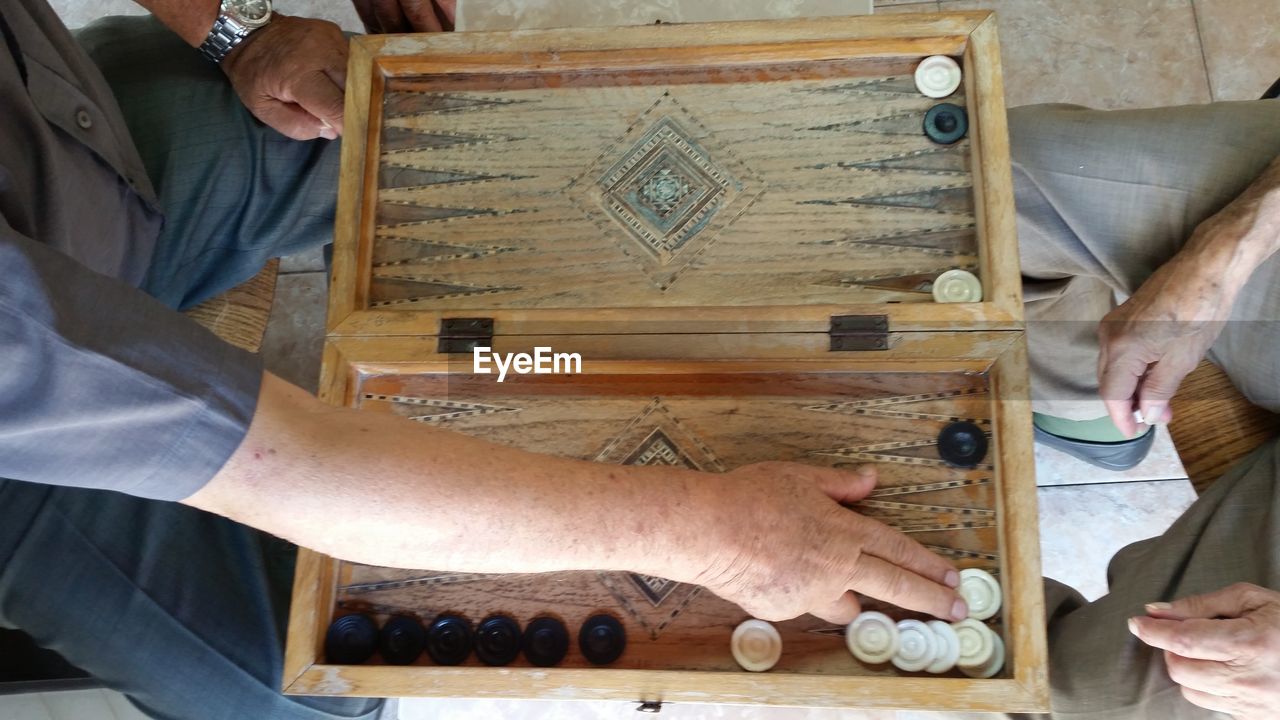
(462, 335)
(859, 332)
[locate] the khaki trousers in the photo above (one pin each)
(1105, 198)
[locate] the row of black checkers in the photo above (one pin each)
(946, 123)
(450, 640)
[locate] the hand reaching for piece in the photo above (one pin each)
(405, 16)
(1153, 340)
(291, 75)
(1223, 648)
(797, 550)
(1150, 343)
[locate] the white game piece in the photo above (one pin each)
(948, 647)
(917, 647)
(957, 286)
(977, 643)
(872, 637)
(993, 666)
(756, 645)
(937, 76)
(981, 591)
(1137, 417)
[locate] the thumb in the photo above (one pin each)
(845, 486)
(289, 120)
(1230, 602)
(840, 612)
(1158, 388)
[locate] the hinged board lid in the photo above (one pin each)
(738, 177)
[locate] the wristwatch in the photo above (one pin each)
(236, 20)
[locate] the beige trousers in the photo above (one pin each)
(1104, 198)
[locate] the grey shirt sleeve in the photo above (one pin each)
(104, 387)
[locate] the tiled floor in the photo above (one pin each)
(1116, 54)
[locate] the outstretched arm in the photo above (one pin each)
(382, 490)
(1152, 341)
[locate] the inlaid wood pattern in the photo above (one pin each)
(713, 422)
(807, 183)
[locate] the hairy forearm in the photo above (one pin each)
(1234, 242)
(190, 19)
(379, 489)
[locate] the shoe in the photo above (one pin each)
(1115, 456)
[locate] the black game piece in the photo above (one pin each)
(962, 444)
(351, 640)
(946, 123)
(498, 640)
(401, 640)
(546, 642)
(449, 640)
(602, 639)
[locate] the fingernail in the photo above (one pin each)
(866, 469)
(1167, 417)
(328, 133)
(959, 610)
(1133, 626)
(1155, 414)
(1158, 607)
(952, 579)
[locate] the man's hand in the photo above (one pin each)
(1152, 341)
(406, 16)
(794, 549)
(291, 75)
(1223, 648)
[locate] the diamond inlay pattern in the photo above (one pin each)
(665, 190)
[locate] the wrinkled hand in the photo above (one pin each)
(291, 75)
(798, 550)
(1152, 341)
(405, 16)
(1223, 648)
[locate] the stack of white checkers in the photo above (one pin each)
(911, 645)
(936, 646)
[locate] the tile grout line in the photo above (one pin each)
(1204, 57)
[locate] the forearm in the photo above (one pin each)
(190, 19)
(1234, 242)
(379, 489)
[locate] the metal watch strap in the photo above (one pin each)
(224, 36)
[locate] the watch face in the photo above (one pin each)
(250, 11)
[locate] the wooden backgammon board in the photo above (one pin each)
(742, 229)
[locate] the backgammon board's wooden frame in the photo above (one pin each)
(980, 337)
(377, 59)
(1002, 356)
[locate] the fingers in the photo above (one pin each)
(289, 119)
(844, 486)
(1230, 602)
(1220, 640)
(1208, 701)
(895, 547)
(423, 17)
(840, 612)
(888, 582)
(1117, 384)
(1203, 675)
(1158, 387)
(319, 96)
(390, 16)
